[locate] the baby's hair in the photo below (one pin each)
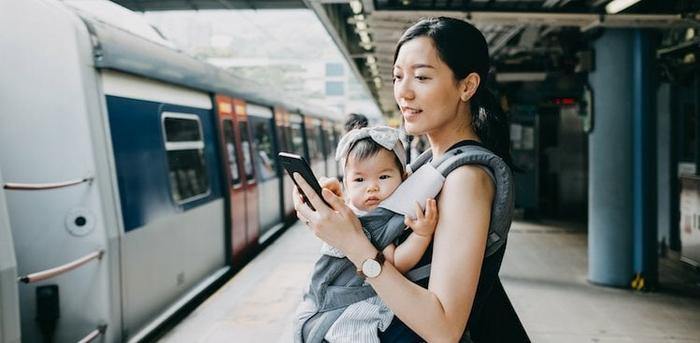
(355, 121)
(366, 148)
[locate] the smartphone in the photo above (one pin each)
(296, 164)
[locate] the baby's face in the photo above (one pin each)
(371, 180)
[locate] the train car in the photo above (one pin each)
(314, 146)
(330, 142)
(9, 301)
(139, 175)
(269, 175)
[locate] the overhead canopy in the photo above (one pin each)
(527, 38)
(172, 5)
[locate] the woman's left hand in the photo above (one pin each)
(336, 225)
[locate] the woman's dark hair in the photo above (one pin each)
(355, 121)
(464, 49)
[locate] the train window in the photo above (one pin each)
(314, 141)
(182, 130)
(296, 139)
(329, 147)
(230, 141)
(282, 137)
(245, 146)
(187, 170)
(262, 136)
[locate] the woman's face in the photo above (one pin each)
(425, 88)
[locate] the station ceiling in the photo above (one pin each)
(527, 38)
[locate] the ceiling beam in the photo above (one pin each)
(550, 19)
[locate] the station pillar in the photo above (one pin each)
(622, 231)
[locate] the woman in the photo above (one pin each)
(440, 68)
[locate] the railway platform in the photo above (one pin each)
(544, 273)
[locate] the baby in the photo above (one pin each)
(374, 162)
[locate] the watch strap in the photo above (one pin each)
(379, 258)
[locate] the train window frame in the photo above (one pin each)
(199, 146)
(267, 130)
(296, 131)
(248, 159)
(237, 181)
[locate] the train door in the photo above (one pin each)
(250, 181)
(9, 295)
(234, 180)
(265, 158)
(295, 135)
(282, 125)
(337, 132)
(292, 139)
(314, 146)
(329, 147)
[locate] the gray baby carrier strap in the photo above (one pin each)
(497, 169)
(335, 285)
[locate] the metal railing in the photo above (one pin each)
(100, 330)
(49, 273)
(43, 186)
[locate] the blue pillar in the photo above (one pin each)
(622, 153)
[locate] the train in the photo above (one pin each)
(134, 176)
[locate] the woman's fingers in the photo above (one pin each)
(302, 218)
(332, 184)
(304, 212)
(335, 201)
(296, 196)
(311, 196)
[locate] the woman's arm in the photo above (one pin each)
(439, 313)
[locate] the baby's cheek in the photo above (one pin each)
(356, 200)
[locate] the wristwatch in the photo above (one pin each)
(372, 267)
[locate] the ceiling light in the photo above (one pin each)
(356, 6)
(616, 6)
(364, 37)
(361, 26)
(521, 77)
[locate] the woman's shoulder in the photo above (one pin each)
(469, 177)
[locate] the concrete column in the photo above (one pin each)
(622, 161)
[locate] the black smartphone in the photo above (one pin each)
(296, 164)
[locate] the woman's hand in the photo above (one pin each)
(332, 184)
(336, 225)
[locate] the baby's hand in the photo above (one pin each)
(425, 223)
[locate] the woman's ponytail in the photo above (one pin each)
(491, 124)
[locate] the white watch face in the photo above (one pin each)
(371, 268)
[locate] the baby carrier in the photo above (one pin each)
(335, 284)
